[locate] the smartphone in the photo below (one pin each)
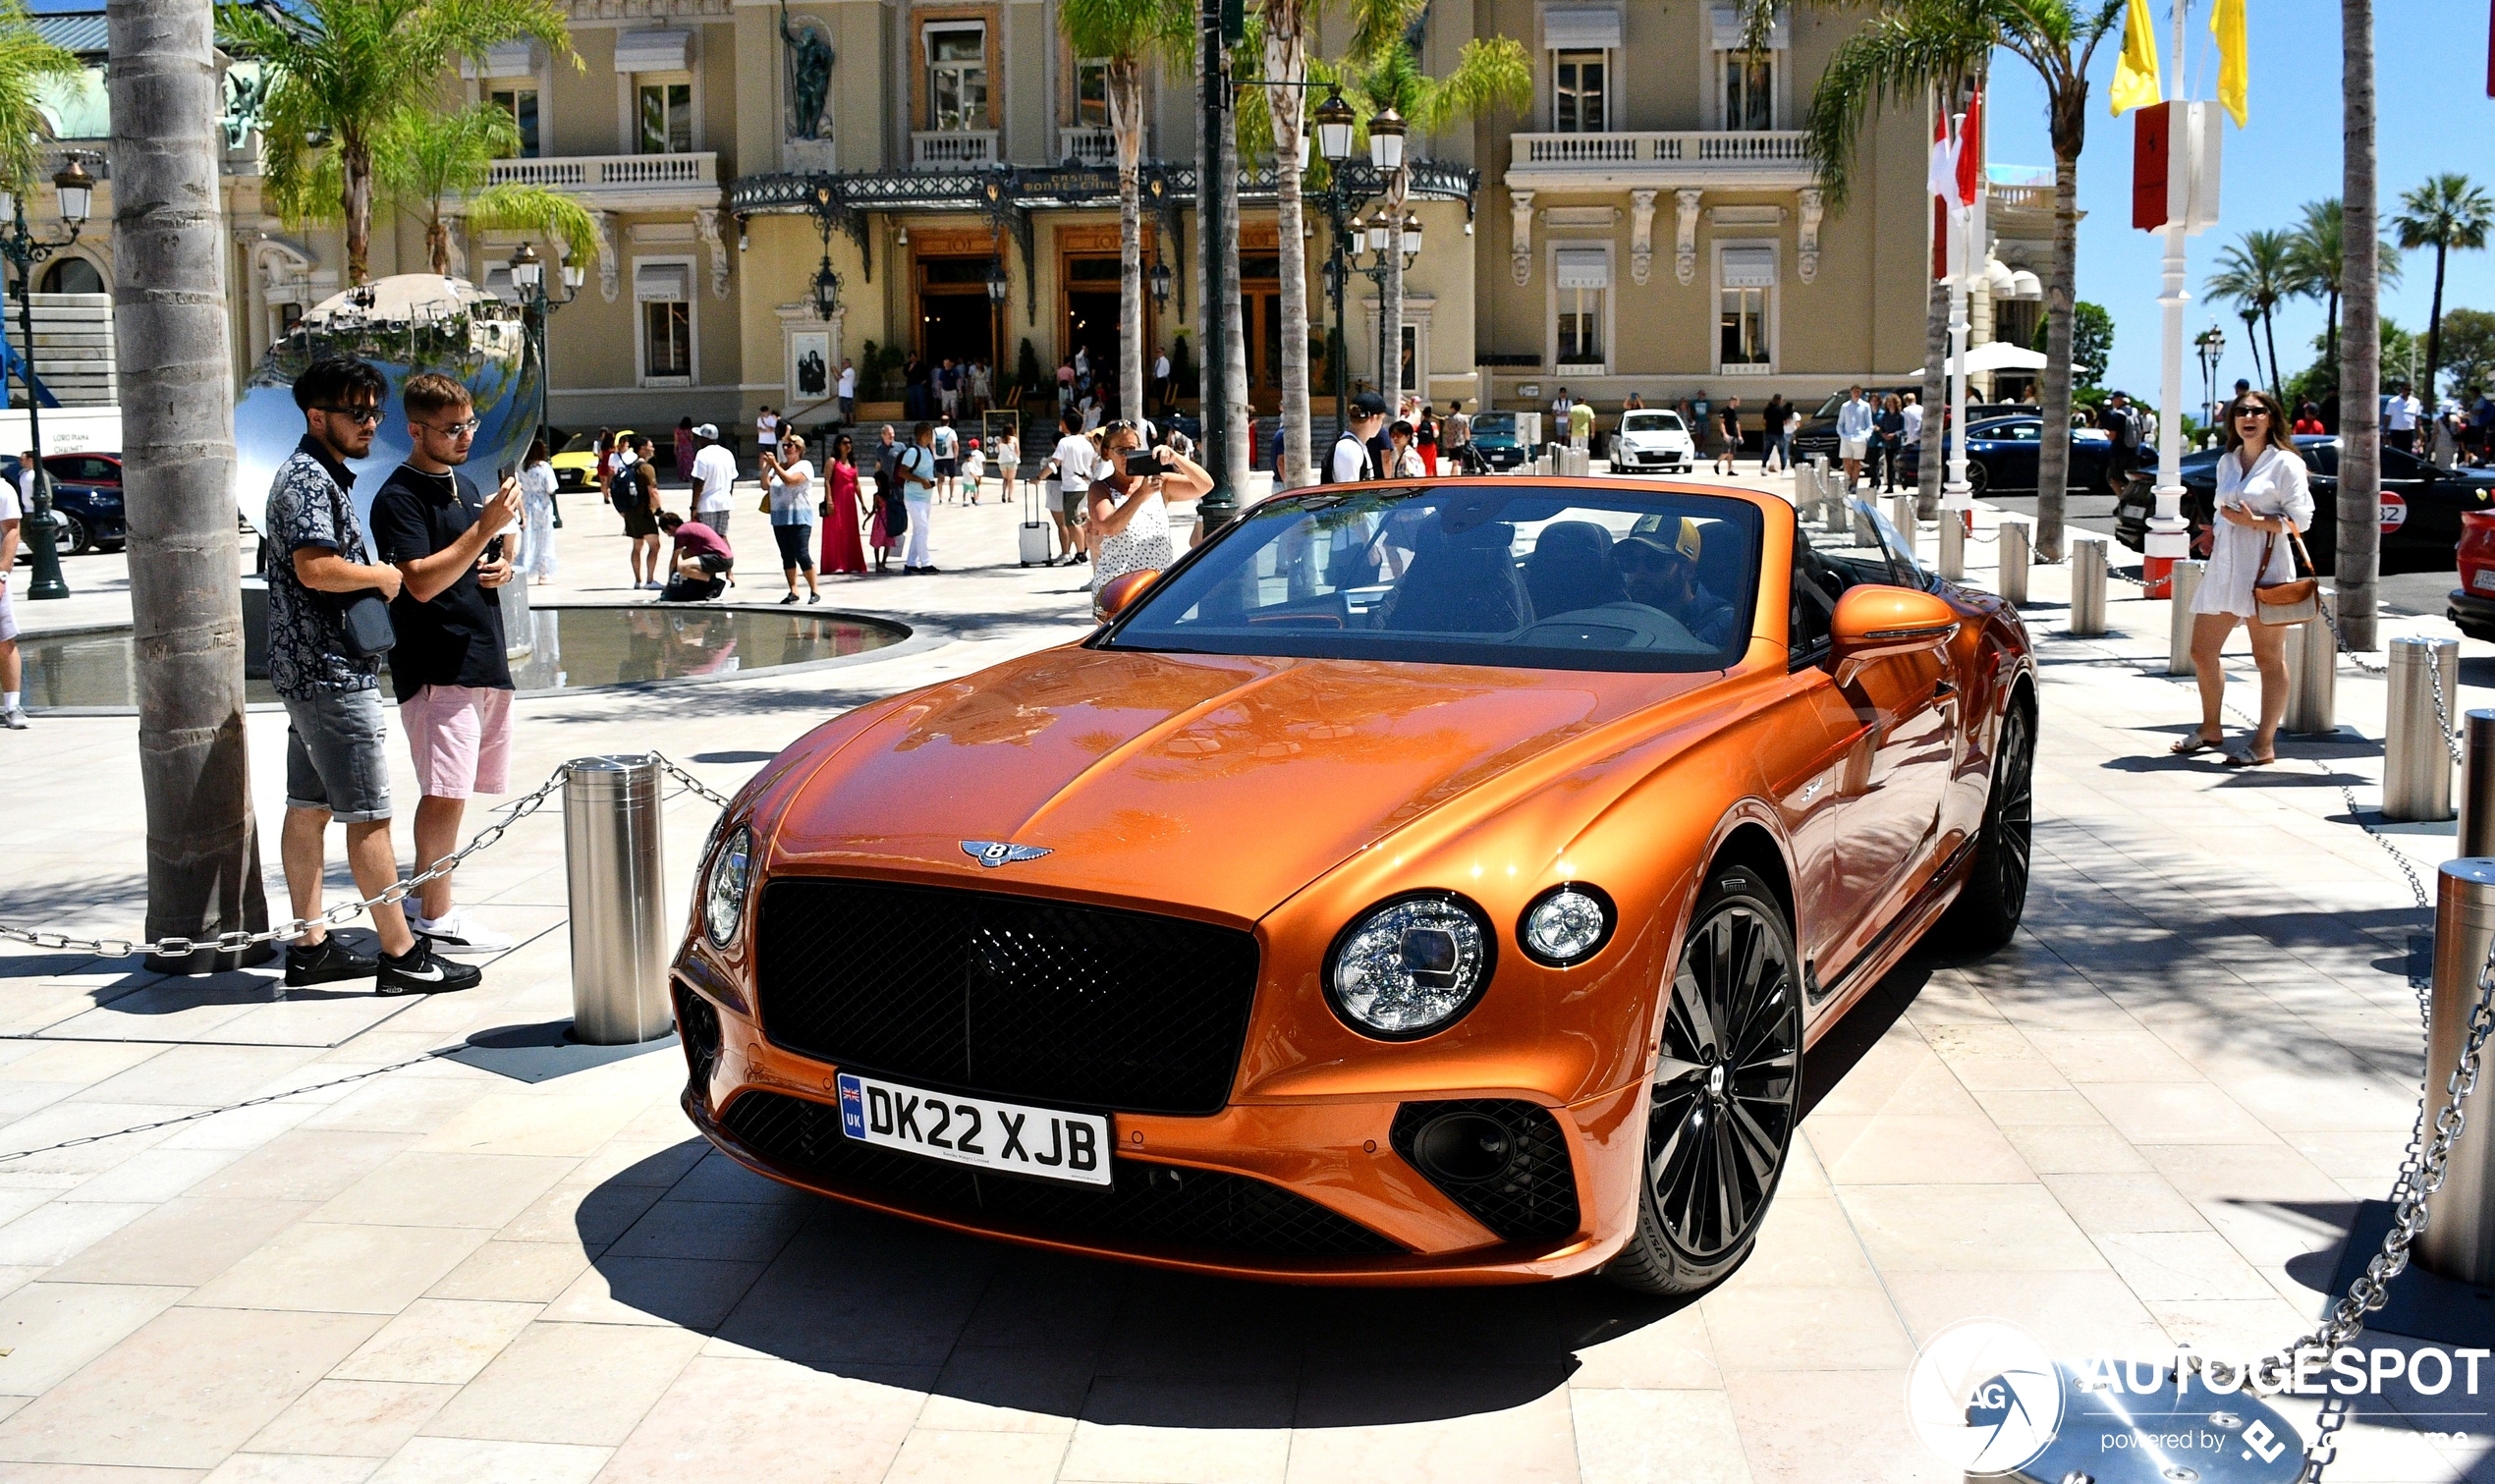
(1141, 463)
(494, 549)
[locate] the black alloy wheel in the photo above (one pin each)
(1726, 1092)
(70, 535)
(1987, 911)
(1979, 477)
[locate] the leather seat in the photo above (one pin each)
(1465, 584)
(1572, 568)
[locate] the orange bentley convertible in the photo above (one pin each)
(1418, 883)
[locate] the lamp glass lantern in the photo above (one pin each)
(526, 272)
(1412, 233)
(826, 290)
(998, 285)
(1335, 125)
(574, 275)
(1381, 234)
(1386, 141)
(1160, 282)
(77, 193)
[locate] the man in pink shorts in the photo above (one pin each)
(453, 681)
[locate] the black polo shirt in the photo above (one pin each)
(456, 638)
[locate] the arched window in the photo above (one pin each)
(72, 275)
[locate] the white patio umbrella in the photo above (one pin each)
(2000, 355)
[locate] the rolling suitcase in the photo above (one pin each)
(1034, 532)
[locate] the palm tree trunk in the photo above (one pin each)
(1390, 350)
(2359, 534)
(1928, 469)
(2254, 345)
(204, 854)
(2270, 333)
(355, 158)
(2053, 455)
(2330, 328)
(1126, 89)
(2433, 335)
(1239, 432)
(1287, 59)
(437, 246)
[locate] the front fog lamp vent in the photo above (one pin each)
(1504, 1163)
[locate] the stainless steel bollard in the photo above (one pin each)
(619, 917)
(2460, 1238)
(2417, 766)
(2087, 587)
(1902, 516)
(2014, 553)
(2312, 671)
(2187, 582)
(1953, 558)
(1806, 489)
(2478, 784)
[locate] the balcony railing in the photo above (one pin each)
(611, 172)
(952, 148)
(1091, 146)
(1784, 151)
(2035, 197)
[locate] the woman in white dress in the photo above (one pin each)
(537, 513)
(2263, 502)
(1129, 513)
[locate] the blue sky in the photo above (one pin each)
(2430, 93)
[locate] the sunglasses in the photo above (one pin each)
(455, 429)
(1645, 559)
(2251, 411)
(365, 416)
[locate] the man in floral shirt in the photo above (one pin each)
(336, 766)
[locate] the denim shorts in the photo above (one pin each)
(335, 760)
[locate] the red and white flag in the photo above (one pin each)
(1970, 151)
(1942, 180)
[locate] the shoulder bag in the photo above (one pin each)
(365, 629)
(2294, 601)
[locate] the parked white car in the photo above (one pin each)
(1652, 439)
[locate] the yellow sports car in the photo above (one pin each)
(577, 467)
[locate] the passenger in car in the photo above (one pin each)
(1664, 574)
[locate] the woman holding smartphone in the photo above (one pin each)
(2263, 502)
(1129, 513)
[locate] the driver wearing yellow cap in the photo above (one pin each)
(1661, 571)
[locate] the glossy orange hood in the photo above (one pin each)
(1214, 783)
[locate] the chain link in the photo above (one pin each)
(235, 941)
(2443, 711)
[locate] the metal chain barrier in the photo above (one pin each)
(234, 942)
(2443, 712)
(197, 1113)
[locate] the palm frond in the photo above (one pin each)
(2255, 271)
(2446, 212)
(1898, 59)
(29, 69)
(534, 208)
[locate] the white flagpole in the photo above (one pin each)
(2169, 536)
(1956, 493)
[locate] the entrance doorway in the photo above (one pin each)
(1091, 315)
(1260, 322)
(955, 317)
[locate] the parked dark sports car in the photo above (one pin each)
(2421, 505)
(86, 499)
(2001, 455)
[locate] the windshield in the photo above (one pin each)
(1650, 422)
(1494, 425)
(1538, 578)
(580, 443)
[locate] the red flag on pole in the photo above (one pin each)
(1970, 151)
(1942, 174)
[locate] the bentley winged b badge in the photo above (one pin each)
(992, 853)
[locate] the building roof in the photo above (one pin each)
(79, 32)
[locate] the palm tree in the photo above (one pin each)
(1490, 73)
(1914, 49)
(345, 71)
(26, 63)
(2360, 562)
(204, 854)
(2444, 213)
(2256, 273)
(425, 160)
(1285, 62)
(1126, 34)
(2316, 264)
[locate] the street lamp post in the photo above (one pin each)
(24, 249)
(528, 280)
(998, 286)
(2211, 343)
(1336, 123)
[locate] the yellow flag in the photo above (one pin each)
(2135, 73)
(2226, 23)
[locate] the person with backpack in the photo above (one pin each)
(2122, 421)
(636, 495)
(1351, 460)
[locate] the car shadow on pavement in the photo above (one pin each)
(858, 1293)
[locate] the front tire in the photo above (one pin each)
(71, 537)
(1987, 913)
(1726, 1092)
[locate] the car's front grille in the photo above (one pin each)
(1200, 1209)
(698, 1026)
(1013, 997)
(1525, 1193)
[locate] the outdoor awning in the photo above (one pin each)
(511, 58)
(661, 283)
(2000, 355)
(1581, 28)
(928, 34)
(1725, 23)
(1749, 268)
(1582, 268)
(654, 51)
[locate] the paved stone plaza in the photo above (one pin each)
(2146, 1123)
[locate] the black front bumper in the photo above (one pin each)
(2473, 612)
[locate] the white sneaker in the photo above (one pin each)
(13, 719)
(455, 932)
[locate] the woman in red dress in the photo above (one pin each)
(841, 550)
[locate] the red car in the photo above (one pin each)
(2472, 603)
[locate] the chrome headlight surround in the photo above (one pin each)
(1566, 925)
(1410, 965)
(726, 882)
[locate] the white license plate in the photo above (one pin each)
(2483, 579)
(1044, 1142)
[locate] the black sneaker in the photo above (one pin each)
(326, 963)
(422, 972)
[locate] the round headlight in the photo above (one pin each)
(1566, 924)
(1410, 966)
(723, 895)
